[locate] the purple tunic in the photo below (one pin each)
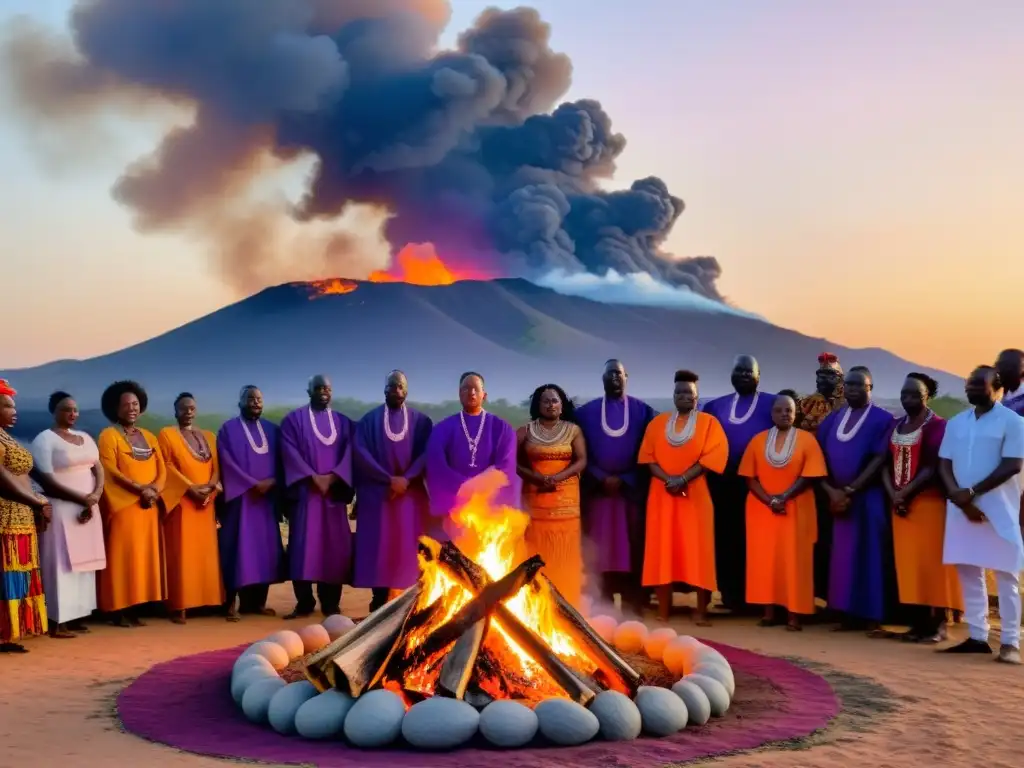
(250, 537)
(448, 465)
(388, 530)
(857, 583)
(319, 534)
(740, 435)
(613, 525)
(1016, 401)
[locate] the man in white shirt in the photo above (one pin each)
(981, 458)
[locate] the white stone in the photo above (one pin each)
(272, 652)
(657, 639)
(565, 722)
(286, 702)
(324, 715)
(375, 720)
(629, 636)
(290, 641)
(440, 723)
(719, 672)
(662, 712)
(605, 627)
(508, 724)
(718, 697)
(256, 699)
(249, 660)
(617, 715)
(705, 653)
(314, 637)
(247, 676)
(697, 705)
(337, 625)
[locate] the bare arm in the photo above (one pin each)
(523, 468)
(660, 473)
(946, 475)
(1007, 468)
(888, 482)
(868, 474)
(55, 489)
(13, 489)
(759, 492)
(801, 484)
(579, 458)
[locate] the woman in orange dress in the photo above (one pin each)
(782, 523)
(679, 448)
(552, 456)
(190, 527)
(134, 476)
(919, 513)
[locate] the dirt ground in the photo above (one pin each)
(903, 705)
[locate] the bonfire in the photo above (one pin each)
(483, 623)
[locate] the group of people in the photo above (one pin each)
(773, 500)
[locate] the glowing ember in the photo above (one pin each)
(419, 264)
(330, 287)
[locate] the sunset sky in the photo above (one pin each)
(856, 167)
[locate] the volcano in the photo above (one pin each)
(517, 334)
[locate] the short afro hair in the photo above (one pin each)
(56, 399)
(110, 402)
(930, 384)
(686, 377)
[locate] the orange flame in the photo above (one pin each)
(419, 264)
(331, 286)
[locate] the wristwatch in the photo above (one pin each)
(972, 492)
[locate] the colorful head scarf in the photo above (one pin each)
(828, 361)
(7, 389)
(812, 409)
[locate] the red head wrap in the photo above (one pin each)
(7, 389)
(829, 360)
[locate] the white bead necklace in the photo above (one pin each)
(329, 440)
(779, 458)
(548, 436)
(260, 449)
(392, 436)
(625, 419)
(733, 418)
(677, 439)
(844, 435)
(474, 442)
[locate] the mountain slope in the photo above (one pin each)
(515, 333)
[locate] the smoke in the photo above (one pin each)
(467, 148)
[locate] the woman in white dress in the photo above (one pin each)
(71, 550)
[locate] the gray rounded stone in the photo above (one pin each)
(240, 683)
(285, 704)
(720, 672)
(323, 716)
(256, 699)
(508, 724)
(248, 661)
(696, 701)
(375, 720)
(718, 697)
(662, 712)
(440, 723)
(618, 716)
(565, 722)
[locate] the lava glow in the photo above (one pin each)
(492, 537)
(419, 264)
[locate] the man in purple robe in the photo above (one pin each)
(745, 413)
(1010, 366)
(316, 453)
(614, 488)
(389, 458)
(249, 539)
(853, 440)
(463, 446)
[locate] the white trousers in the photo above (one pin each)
(972, 583)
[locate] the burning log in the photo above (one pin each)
(460, 662)
(476, 610)
(395, 660)
(612, 671)
(475, 578)
(366, 644)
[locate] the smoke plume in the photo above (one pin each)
(467, 148)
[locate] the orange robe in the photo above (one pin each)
(134, 572)
(190, 531)
(780, 548)
(554, 532)
(680, 541)
(917, 544)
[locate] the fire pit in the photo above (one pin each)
(483, 644)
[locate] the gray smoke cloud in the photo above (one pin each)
(467, 148)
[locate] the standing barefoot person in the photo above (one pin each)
(781, 464)
(680, 543)
(22, 513)
(135, 474)
(67, 466)
(190, 525)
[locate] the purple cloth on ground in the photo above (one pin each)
(859, 538)
(448, 465)
(613, 525)
(249, 538)
(388, 530)
(319, 534)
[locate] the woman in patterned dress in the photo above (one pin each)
(22, 513)
(552, 456)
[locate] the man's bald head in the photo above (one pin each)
(319, 391)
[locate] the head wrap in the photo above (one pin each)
(828, 361)
(7, 389)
